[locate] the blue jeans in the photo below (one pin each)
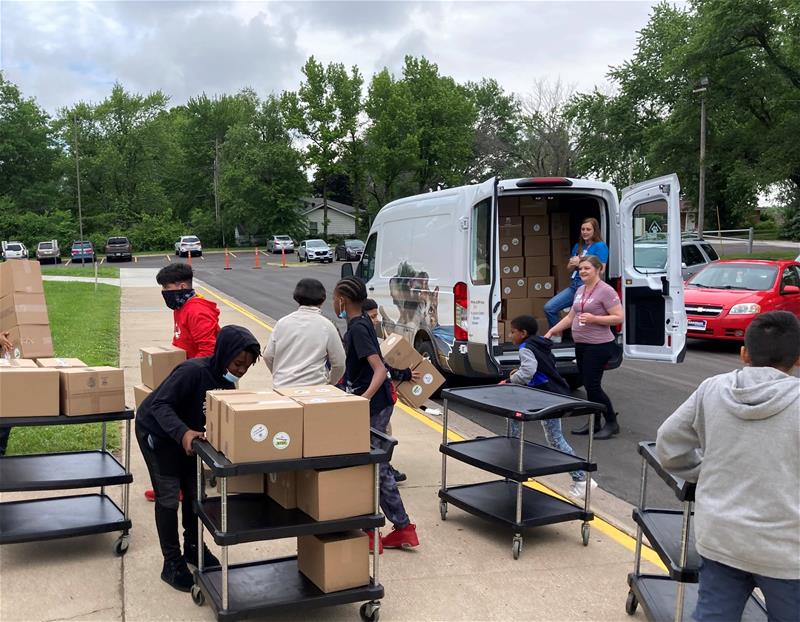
(561, 300)
(723, 594)
(555, 438)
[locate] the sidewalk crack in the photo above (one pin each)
(82, 614)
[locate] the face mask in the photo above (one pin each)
(232, 378)
(176, 298)
(343, 314)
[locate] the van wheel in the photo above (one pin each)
(426, 349)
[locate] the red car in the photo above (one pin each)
(723, 298)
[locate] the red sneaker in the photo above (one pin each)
(150, 495)
(405, 537)
(371, 534)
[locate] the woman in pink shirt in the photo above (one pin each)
(595, 310)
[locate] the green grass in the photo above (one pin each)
(782, 253)
(85, 325)
(109, 272)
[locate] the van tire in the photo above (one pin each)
(426, 349)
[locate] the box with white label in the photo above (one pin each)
(267, 430)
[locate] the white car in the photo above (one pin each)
(278, 243)
(315, 250)
(695, 255)
(14, 250)
(188, 245)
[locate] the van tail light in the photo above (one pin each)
(537, 182)
(618, 327)
(461, 306)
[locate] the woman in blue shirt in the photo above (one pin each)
(591, 243)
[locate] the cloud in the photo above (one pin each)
(62, 52)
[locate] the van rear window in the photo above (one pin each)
(480, 243)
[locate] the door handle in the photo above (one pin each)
(372, 289)
(664, 286)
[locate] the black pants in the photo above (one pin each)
(592, 359)
(171, 472)
(5, 432)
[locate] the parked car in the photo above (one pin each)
(83, 251)
(188, 245)
(315, 250)
(48, 251)
(14, 250)
(695, 255)
(723, 298)
(276, 243)
(349, 250)
(119, 248)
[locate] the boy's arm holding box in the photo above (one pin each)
(678, 444)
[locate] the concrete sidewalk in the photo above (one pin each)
(463, 569)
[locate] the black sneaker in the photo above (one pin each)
(176, 573)
(399, 477)
(190, 556)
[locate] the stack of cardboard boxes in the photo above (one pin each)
(23, 310)
(399, 354)
(534, 243)
(155, 364)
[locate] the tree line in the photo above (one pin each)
(153, 171)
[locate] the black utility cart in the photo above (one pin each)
(671, 597)
(508, 501)
(276, 586)
(73, 515)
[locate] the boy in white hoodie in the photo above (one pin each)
(738, 437)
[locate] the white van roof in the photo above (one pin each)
(560, 183)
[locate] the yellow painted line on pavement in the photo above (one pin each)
(169, 259)
(598, 523)
(232, 255)
(69, 261)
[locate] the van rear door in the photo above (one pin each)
(652, 288)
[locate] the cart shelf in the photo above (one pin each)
(59, 517)
(683, 490)
(522, 403)
(499, 455)
(79, 469)
(663, 530)
(18, 422)
(254, 517)
(497, 501)
(275, 585)
(657, 594)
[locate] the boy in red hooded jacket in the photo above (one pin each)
(196, 319)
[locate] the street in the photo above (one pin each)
(644, 393)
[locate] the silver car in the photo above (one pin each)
(48, 251)
(278, 243)
(315, 250)
(188, 245)
(14, 250)
(695, 255)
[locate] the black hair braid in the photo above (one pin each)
(352, 288)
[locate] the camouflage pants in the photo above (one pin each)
(391, 503)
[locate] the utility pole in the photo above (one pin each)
(216, 189)
(702, 87)
(78, 182)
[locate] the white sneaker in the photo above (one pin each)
(578, 489)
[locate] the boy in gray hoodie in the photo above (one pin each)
(738, 437)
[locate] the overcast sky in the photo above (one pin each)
(62, 52)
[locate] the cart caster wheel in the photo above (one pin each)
(631, 603)
(370, 612)
(516, 547)
(197, 596)
(443, 510)
(585, 534)
(121, 546)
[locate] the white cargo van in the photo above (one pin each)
(433, 264)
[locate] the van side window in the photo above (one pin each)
(712, 254)
(481, 243)
(692, 255)
(367, 266)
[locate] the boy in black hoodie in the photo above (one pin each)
(167, 422)
(537, 368)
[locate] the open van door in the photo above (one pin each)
(652, 285)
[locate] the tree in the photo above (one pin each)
(324, 111)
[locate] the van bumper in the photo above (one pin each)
(473, 361)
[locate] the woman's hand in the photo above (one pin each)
(549, 334)
(573, 262)
(587, 318)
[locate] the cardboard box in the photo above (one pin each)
(17, 363)
(508, 206)
(282, 488)
(562, 276)
(541, 287)
(266, 430)
(510, 246)
(20, 276)
(416, 393)
(511, 267)
(140, 392)
(399, 353)
(329, 494)
(58, 363)
(514, 288)
(157, 362)
(321, 390)
(537, 266)
(253, 483)
(28, 392)
(543, 324)
(334, 561)
(523, 306)
(214, 406)
(511, 230)
(501, 331)
(31, 341)
(507, 222)
(559, 225)
(18, 308)
(535, 225)
(334, 425)
(533, 206)
(91, 390)
(537, 246)
(560, 249)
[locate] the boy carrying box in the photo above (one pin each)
(738, 437)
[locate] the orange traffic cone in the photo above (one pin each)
(257, 265)
(227, 259)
